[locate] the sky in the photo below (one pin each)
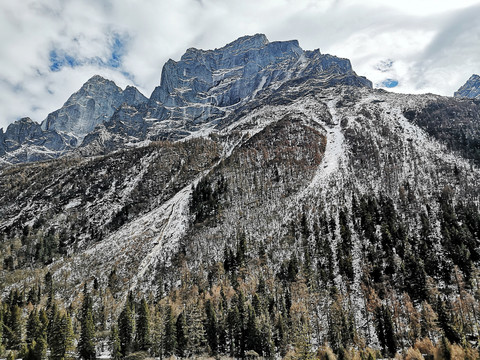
(49, 48)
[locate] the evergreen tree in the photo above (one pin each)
(445, 322)
(115, 346)
(86, 343)
(126, 327)
(390, 337)
(211, 328)
(61, 341)
(38, 350)
(182, 336)
(36, 338)
(14, 327)
(233, 330)
(195, 330)
(1, 325)
(281, 336)
(170, 339)
(51, 314)
(143, 327)
(252, 332)
(34, 326)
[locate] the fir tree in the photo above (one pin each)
(211, 327)
(34, 326)
(14, 333)
(38, 350)
(126, 327)
(233, 330)
(170, 339)
(115, 346)
(61, 341)
(195, 330)
(143, 327)
(1, 325)
(281, 336)
(36, 338)
(252, 332)
(86, 344)
(182, 338)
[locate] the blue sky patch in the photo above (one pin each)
(389, 83)
(59, 58)
(118, 50)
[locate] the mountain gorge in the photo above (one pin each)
(266, 196)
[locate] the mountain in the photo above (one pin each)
(471, 89)
(194, 93)
(26, 141)
(64, 129)
(208, 85)
(92, 105)
(307, 215)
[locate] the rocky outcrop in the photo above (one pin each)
(25, 140)
(92, 105)
(198, 91)
(471, 89)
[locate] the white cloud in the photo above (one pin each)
(433, 44)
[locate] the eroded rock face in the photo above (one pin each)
(206, 83)
(25, 134)
(471, 89)
(92, 105)
(199, 90)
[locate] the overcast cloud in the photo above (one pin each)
(50, 48)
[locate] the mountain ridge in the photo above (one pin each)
(220, 81)
(471, 89)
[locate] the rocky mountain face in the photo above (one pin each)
(26, 141)
(194, 93)
(471, 89)
(299, 208)
(92, 105)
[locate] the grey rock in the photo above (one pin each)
(90, 106)
(203, 88)
(25, 140)
(205, 84)
(471, 89)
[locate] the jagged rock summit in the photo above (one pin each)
(198, 91)
(93, 104)
(471, 89)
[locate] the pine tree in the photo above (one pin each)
(252, 332)
(1, 325)
(38, 350)
(281, 336)
(115, 347)
(61, 341)
(86, 344)
(51, 314)
(390, 337)
(233, 330)
(33, 326)
(36, 338)
(170, 339)
(143, 327)
(182, 338)
(14, 333)
(211, 328)
(195, 330)
(126, 327)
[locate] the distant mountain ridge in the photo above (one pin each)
(194, 92)
(471, 89)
